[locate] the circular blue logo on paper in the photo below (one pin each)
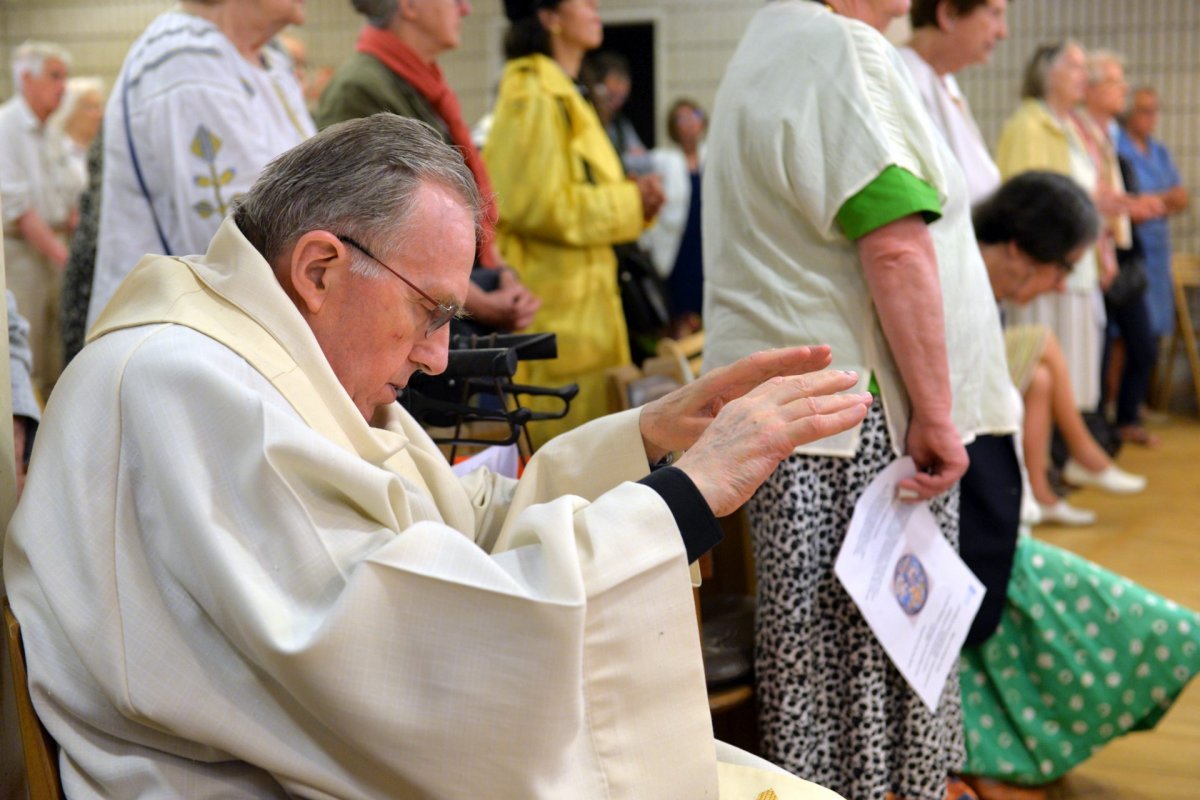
(910, 584)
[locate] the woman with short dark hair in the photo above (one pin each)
(948, 36)
(1031, 233)
(1067, 669)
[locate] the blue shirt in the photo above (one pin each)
(1156, 172)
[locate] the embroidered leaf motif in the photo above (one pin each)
(206, 145)
(227, 177)
(204, 208)
(769, 794)
(202, 180)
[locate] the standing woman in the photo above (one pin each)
(564, 201)
(204, 100)
(674, 242)
(77, 120)
(1042, 136)
(834, 212)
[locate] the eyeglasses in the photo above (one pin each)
(443, 312)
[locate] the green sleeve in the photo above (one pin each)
(894, 194)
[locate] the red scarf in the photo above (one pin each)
(428, 79)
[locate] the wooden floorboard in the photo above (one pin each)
(1154, 539)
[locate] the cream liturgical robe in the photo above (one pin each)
(230, 585)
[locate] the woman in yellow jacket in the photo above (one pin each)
(564, 200)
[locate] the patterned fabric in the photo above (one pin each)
(198, 121)
(834, 709)
(1081, 657)
(81, 264)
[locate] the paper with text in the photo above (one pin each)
(916, 594)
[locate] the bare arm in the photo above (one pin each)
(1176, 199)
(35, 231)
(901, 273)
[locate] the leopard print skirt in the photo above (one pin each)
(833, 708)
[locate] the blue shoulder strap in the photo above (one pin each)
(137, 169)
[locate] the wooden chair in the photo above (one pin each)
(683, 355)
(41, 751)
(1185, 269)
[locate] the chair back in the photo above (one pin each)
(40, 749)
(1185, 269)
(685, 354)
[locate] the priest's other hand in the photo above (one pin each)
(675, 422)
(753, 433)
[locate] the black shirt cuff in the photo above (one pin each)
(697, 525)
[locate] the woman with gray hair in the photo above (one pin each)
(1042, 135)
(77, 121)
(394, 69)
(203, 101)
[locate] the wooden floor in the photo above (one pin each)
(1154, 539)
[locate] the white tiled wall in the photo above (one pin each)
(1161, 39)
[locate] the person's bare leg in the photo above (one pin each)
(1038, 427)
(1080, 443)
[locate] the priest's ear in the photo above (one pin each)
(318, 261)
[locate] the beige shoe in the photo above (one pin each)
(1112, 479)
(1063, 513)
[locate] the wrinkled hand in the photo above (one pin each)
(651, 189)
(940, 457)
(753, 433)
(509, 308)
(675, 422)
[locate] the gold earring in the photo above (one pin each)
(556, 29)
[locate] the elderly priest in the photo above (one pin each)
(243, 571)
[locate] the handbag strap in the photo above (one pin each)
(137, 169)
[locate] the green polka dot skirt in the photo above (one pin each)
(1081, 657)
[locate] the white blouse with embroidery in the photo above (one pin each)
(203, 122)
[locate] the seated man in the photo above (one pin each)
(231, 583)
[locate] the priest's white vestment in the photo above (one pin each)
(231, 585)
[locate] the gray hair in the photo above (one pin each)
(379, 13)
(1039, 66)
(1097, 60)
(30, 58)
(358, 179)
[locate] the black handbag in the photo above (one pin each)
(643, 296)
(1130, 283)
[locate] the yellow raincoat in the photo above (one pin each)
(564, 201)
